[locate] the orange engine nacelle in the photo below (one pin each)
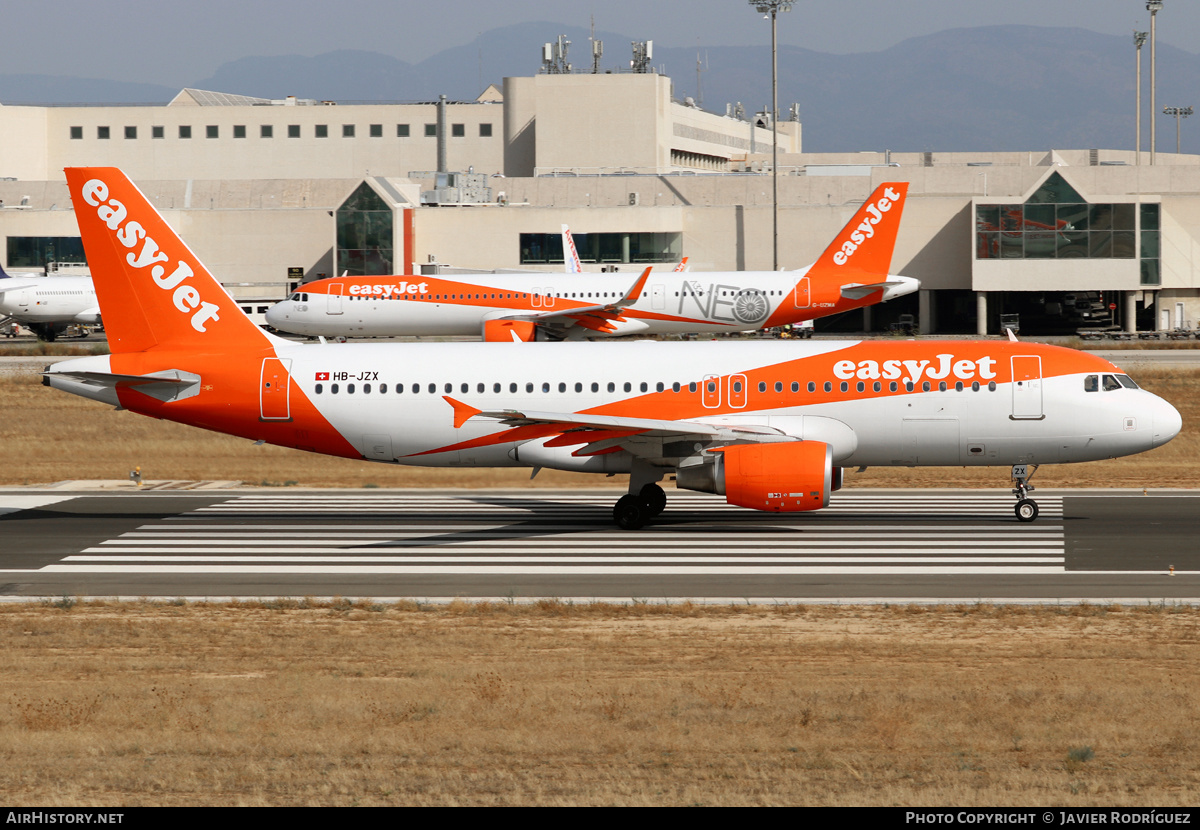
(506, 331)
(783, 478)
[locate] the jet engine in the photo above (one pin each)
(787, 477)
(506, 331)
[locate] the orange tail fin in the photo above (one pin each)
(865, 245)
(153, 290)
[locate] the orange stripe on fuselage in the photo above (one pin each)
(228, 400)
(990, 361)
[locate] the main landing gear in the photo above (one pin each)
(1026, 508)
(632, 511)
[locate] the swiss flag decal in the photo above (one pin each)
(322, 376)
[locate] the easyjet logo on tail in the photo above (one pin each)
(185, 297)
(866, 229)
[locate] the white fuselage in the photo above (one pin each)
(389, 400)
(671, 303)
(49, 300)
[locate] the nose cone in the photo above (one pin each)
(1167, 422)
(277, 314)
(907, 285)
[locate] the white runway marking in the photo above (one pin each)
(14, 504)
(558, 534)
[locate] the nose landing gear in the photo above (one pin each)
(1026, 508)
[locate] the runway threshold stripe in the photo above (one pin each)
(558, 570)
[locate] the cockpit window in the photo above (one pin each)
(1111, 383)
(1127, 381)
(296, 298)
(1091, 383)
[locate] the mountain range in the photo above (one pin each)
(981, 89)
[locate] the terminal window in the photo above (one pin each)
(546, 248)
(36, 251)
(185, 131)
(102, 132)
(322, 131)
(239, 130)
(293, 130)
(77, 132)
(1056, 222)
(347, 131)
(158, 132)
(485, 130)
(266, 131)
(364, 234)
(402, 131)
(212, 131)
(376, 131)
(458, 130)
(131, 132)
(431, 130)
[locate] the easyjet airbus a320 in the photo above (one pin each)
(768, 425)
(852, 273)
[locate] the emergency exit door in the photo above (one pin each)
(1026, 387)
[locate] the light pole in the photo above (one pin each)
(1138, 39)
(1153, 6)
(774, 7)
(1179, 113)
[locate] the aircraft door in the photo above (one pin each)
(1027, 387)
(658, 296)
(802, 296)
(334, 300)
(273, 390)
(710, 391)
(737, 391)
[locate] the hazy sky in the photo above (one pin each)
(174, 43)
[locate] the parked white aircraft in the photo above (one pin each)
(769, 425)
(46, 304)
(851, 273)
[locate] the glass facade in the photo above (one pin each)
(1056, 222)
(547, 248)
(1150, 249)
(36, 251)
(364, 234)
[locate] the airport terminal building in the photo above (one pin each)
(267, 192)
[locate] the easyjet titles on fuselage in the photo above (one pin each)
(388, 290)
(894, 369)
(186, 298)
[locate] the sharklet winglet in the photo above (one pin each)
(462, 412)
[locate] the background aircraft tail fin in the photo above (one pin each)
(153, 290)
(865, 244)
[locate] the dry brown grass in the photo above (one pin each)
(50, 436)
(296, 703)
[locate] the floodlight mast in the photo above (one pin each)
(1138, 39)
(1154, 7)
(773, 8)
(1179, 113)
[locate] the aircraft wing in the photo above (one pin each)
(595, 317)
(604, 433)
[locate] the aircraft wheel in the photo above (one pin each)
(1026, 510)
(630, 513)
(654, 499)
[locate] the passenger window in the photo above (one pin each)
(675, 387)
(528, 387)
(644, 387)
(812, 387)
(479, 387)
(659, 387)
(496, 388)
(578, 387)
(512, 387)
(942, 386)
(925, 386)
(845, 386)
(795, 386)
(991, 386)
(595, 387)
(893, 386)
(465, 388)
(692, 386)
(319, 388)
(877, 386)
(958, 387)
(366, 389)
(828, 386)
(562, 387)
(628, 386)
(762, 386)
(349, 388)
(737, 386)
(1091, 383)
(382, 388)
(612, 387)
(778, 386)
(333, 390)
(861, 387)
(975, 386)
(545, 388)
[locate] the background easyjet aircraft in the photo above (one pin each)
(852, 273)
(769, 425)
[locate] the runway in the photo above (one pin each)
(903, 544)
